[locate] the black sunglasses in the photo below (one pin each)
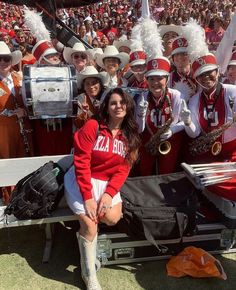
(80, 55)
(5, 58)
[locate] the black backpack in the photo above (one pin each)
(158, 207)
(38, 194)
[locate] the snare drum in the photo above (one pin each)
(49, 91)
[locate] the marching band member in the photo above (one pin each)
(231, 71)
(112, 61)
(133, 74)
(211, 115)
(14, 127)
(12, 110)
(135, 77)
(181, 78)
(104, 151)
(45, 53)
(52, 136)
(168, 34)
(158, 111)
(90, 82)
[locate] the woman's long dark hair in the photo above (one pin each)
(128, 126)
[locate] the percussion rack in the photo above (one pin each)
(202, 175)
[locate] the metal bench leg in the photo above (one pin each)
(48, 242)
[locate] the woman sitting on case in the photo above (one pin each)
(104, 152)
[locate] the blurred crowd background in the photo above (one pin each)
(102, 23)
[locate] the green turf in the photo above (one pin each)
(21, 268)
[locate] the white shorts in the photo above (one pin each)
(73, 194)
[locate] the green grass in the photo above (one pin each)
(21, 268)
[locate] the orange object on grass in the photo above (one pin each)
(195, 262)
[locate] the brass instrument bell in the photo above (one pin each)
(164, 147)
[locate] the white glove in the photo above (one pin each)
(142, 108)
(185, 114)
(166, 135)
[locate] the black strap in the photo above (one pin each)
(160, 105)
(182, 222)
(149, 237)
(217, 94)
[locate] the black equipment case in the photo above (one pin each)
(125, 242)
(118, 248)
(225, 207)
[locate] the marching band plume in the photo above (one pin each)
(185, 89)
(136, 42)
(195, 36)
(151, 38)
(34, 22)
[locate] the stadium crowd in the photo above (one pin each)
(100, 24)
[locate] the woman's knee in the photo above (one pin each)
(87, 226)
(112, 219)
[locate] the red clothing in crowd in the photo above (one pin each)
(99, 35)
(98, 155)
(215, 36)
(111, 33)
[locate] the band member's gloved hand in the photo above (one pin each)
(185, 114)
(142, 108)
(166, 135)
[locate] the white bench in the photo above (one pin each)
(11, 171)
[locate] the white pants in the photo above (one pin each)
(73, 194)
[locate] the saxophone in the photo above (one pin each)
(207, 141)
(155, 146)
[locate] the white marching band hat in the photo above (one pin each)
(43, 48)
(179, 45)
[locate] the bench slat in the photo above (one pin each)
(61, 214)
(12, 170)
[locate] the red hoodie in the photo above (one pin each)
(97, 154)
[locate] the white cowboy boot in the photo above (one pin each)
(87, 261)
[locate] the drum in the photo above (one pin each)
(134, 92)
(49, 91)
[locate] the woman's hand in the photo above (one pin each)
(91, 209)
(83, 105)
(104, 204)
